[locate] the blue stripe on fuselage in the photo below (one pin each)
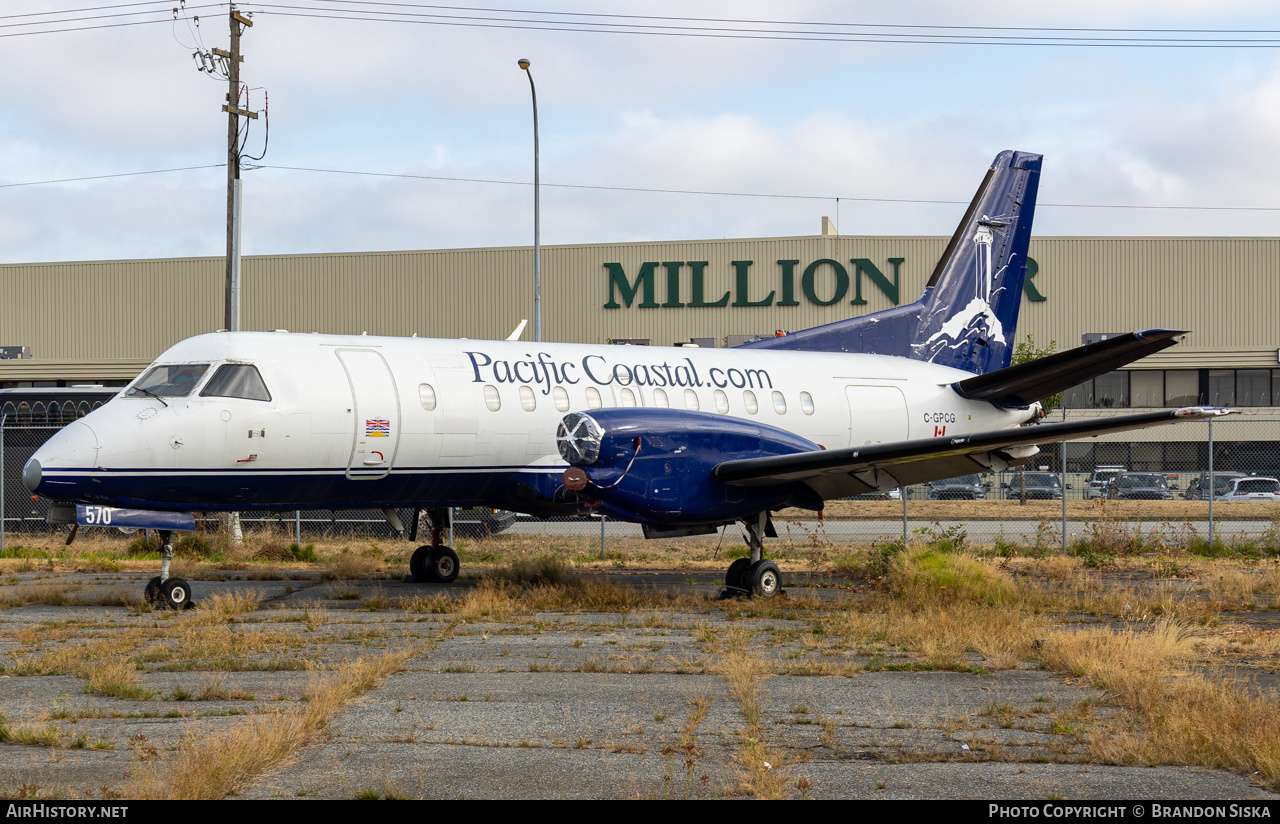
(510, 487)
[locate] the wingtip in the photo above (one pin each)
(1204, 412)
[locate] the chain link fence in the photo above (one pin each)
(1155, 490)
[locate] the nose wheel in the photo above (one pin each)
(163, 592)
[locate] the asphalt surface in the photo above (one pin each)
(587, 705)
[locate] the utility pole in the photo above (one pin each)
(231, 315)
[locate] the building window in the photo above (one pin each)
(749, 401)
(1111, 391)
(722, 402)
(1222, 387)
(1181, 387)
(593, 398)
(1146, 388)
(527, 400)
(561, 398)
(427, 397)
(491, 398)
(1253, 387)
(1079, 396)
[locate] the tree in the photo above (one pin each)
(1028, 351)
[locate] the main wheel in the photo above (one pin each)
(442, 564)
(418, 565)
(733, 577)
(764, 580)
(152, 592)
(176, 593)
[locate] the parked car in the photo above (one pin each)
(1221, 480)
(1139, 486)
(965, 488)
(1251, 489)
(1034, 486)
(1100, 479)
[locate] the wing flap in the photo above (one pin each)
(838, 473)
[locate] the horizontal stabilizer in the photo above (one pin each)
(838, 473)
(1036, 380)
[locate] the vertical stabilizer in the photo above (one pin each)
(968, 315)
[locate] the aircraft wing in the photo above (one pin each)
(839, 473)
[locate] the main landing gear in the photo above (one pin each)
(754, 575)
(164, 592)
(434, 563)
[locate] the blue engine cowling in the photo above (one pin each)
(653, 466)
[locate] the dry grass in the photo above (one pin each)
(116, 678)
(763, 772)
(218, 766)
(349, 566)
(1184, 717)
(47, 593)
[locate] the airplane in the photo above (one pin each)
(682, 441)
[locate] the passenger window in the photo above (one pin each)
(427, 396)
(561, 398)
(593, 398)
(779, 403)
(660, 398)
(628, 397)
(722, 402)
(749, 400)
(806, 403)
(236, 380)
(691, 400)
(491, 398)
(173, 381)
(527, 400)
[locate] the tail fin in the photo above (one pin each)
(968, 313)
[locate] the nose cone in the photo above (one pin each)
(74, 447)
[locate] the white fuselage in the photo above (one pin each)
(351, 419)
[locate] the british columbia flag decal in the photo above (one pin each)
(377, 428)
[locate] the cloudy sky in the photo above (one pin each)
(811, 115)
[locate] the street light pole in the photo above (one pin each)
(537, 213)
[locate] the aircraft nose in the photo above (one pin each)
(75, 446)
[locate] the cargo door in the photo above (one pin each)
(877, 414)
(375, 411)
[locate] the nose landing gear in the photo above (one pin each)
(163, 592)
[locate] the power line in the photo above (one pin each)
(643, 189)
(676, 27)
(105, 177)
(165, 3)
(667, 26)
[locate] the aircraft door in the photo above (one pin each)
(877, 414)
(375, 412)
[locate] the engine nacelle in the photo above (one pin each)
(654, 465)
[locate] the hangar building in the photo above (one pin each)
(104, 321)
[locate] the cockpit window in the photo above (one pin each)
(236, 380)
(172, 381)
